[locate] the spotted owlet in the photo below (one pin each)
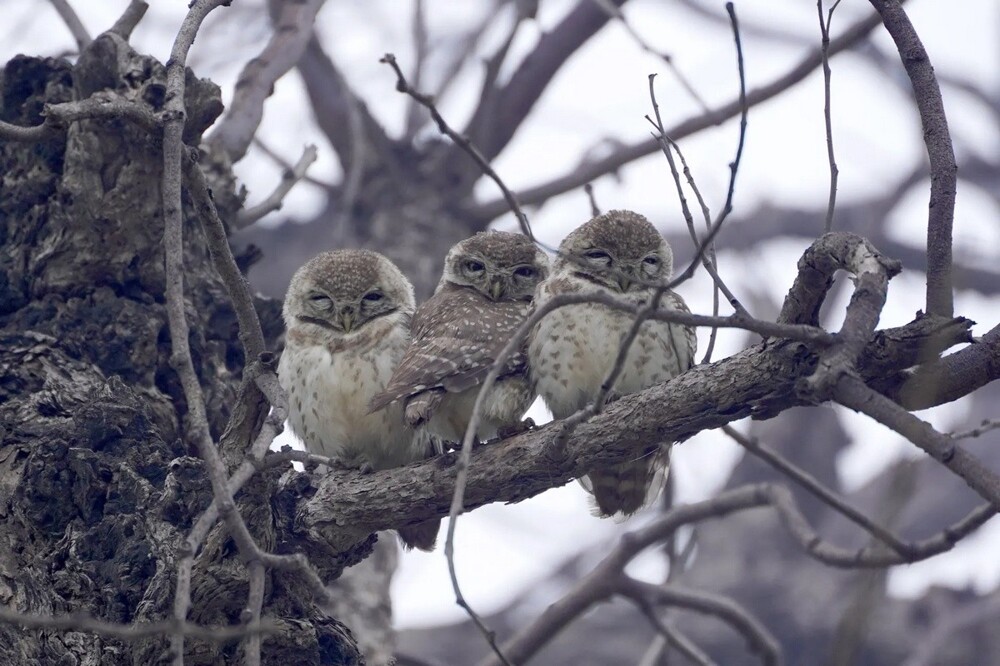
(573, 348)
(483, 296)
(347, 318)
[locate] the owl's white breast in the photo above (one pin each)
(574, 348)
(329, 394)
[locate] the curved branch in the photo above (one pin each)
(939, 151)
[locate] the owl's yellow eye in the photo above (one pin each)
(373, 296)
(525, 271)
(474, 266)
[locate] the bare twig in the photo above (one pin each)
(180, 356)
(463, 141)
(420, 46)
(689, 221)
(984, 427)
(292, 31)
(288, 166)
(940, 152)
(72, 22)
(824, 28)
(670, 635)
(274, 201)
(760, 640)
(809, 482)
(616, 13)
(251, 614)
(595, 210)
(59, 116)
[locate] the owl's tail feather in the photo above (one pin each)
(621, 490)
(421, 536)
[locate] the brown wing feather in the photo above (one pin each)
(457, 335)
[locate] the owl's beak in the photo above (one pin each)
(496, 289)
(347, 319)
(624, 279)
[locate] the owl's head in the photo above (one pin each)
(344, 290)
(499, 265)
(618, 250)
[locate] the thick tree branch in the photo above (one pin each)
(939, 150)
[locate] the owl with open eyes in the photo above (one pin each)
(483, 296)
(347, 317)
(573, 348)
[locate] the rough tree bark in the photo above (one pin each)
(98, 485)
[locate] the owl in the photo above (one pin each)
(347, 319)
(573, 349)
(483, 296)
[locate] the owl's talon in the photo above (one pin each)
(515, 428)
(366, 468)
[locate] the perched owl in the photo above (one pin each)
(347, 319)
(483, 296)
(573, 348)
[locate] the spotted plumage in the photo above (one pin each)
(347, 317)
(573, 349)
(482, 298)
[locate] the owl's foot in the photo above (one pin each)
(366, 468)
(515, 428)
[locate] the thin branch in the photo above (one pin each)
(419, 28)
(984, 427)
(670, 635)
(292, 31)
(824, 28)
(288, 166)
(689, 221)
(180, 355)
(761, 641)
(274, 201)
(463, 141)
(595, 169)
(853, 393)
(72, 22)
(251, 614)
(818, 490)
(59, 116)
(595, 210)
(616, 13)
(940, 152)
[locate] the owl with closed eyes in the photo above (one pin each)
(573, 348)
(483, 296)
(347, 318)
